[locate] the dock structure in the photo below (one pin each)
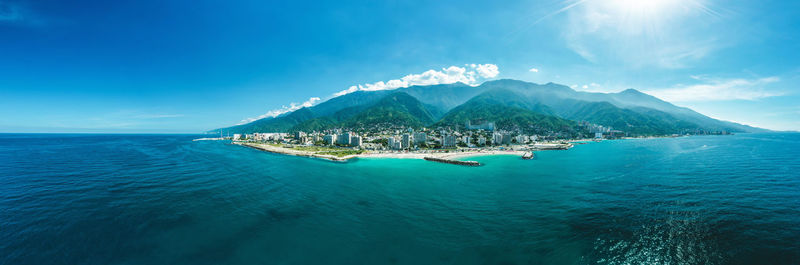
(454, 162)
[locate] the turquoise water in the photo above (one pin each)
(163, 199)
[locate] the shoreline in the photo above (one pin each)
(292, 152)
(408, 155)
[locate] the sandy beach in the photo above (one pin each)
(375, 154)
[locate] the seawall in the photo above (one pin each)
(454, 162)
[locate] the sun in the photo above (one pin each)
(645, 6)
(649, 18)
(649, 10)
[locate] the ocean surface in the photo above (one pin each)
(163, 199)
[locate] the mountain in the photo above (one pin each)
(489, 106)
(631, 110)
(277, 124)
(564, 100)
(396, 109)
(443, 97)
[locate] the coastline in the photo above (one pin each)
(408, 155)
(287, 151)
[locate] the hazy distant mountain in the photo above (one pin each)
(630, 110)
(278, 124)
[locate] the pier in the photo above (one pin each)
(454, 162)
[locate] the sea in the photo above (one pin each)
(165, 199)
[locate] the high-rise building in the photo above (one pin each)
(449, 141)
(522, 139)
(355, 140)
(506, 138)
(497, 138)
(329, 139)
(405, 143)
(420, 138)
(481, 140)
(344, 139)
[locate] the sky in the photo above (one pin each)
(190, 66)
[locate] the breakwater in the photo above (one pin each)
(454, 162)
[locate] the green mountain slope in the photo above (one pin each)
(396, 109)
(654, 122)
(505, 117)
(278, 124)
(629, 110)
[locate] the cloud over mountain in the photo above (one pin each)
(285, 109)
(470, 74)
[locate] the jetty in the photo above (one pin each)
(552, 146)
(212, 139)
(454, 162)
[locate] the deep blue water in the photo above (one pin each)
(163, 199)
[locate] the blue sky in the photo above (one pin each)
(191, 66)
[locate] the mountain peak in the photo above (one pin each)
(631, 91)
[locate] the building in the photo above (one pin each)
(237, 137)
(355, 140)
(344, 139)
(481, 140)
(390, 142)
(489, 126)
(449, 141)
(506, 138)
(329, 139)
(597, 135)
(420, 138)
(522, 139)
(405, 143)
(497, 138)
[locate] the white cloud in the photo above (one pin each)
(487, 70)
(470, 74)
(714, 89)
(534, 70)
(277, 112)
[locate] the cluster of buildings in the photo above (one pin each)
(476, 135)
(426, 139)
(260, 136)
(344, 139)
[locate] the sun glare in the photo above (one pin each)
(646, 9)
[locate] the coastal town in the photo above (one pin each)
(441, 145)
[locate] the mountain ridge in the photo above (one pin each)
(629, 110)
